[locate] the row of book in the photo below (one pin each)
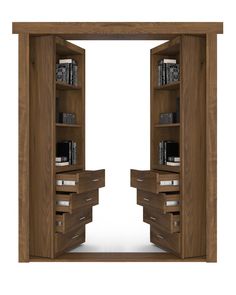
(169, 153)
(67, 71)
(168, 71)
(66, 153)
(66, 118)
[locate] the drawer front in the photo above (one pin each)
(163, 202)
(67, 222)
(169, 242)
(72, 202)
(168, 222)
(80, 181)
(70, 240)
(155, 181)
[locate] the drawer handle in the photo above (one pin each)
(139, 180)
(152, 218)
(75, 236)
(95, 180)
(89, 199)
(146, 199)
(160, 237)
(82, 218)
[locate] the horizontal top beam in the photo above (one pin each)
(117, 30)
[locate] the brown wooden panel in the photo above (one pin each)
(211, 145)
(117, 257)
(118, 30)
(193, 148)
(42, 149)
(24, 147)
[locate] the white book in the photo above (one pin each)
(172, 163)
(65, 61)
(62, 164)
(63, 203)
(169, 61)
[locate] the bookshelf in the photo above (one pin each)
(182, 230)
(54, 230)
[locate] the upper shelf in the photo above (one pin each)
(64, 47)
(171, 86)
(64, 86)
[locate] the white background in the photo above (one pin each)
(118, 278)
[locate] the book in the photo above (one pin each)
(67, 149)
(172, 163)
(167, 118)
(62, 164)
(67, 71)
(168, 71)
(61, 159)
(167, 149)
(173, 159)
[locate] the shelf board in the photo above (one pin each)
(68, 125)
(68, 168)
(171, 86)
(167, 168)
(167, 125)
(65, 86)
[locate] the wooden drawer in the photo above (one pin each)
(66, 222)
(168, 222)
(155, 181)
(169, 242)
(71, 202)
(70, 240)
(164, 202)
(80, 181)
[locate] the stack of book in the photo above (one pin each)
(168, 71)
(66, 153)
(67, 71)
(169, 153)
(66, 118)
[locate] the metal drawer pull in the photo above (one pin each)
(160, 237)
(75, 236)
(146, 199)
(96, 179)
(139, 180)
(89, 199)
(82, 218)
(152, 218)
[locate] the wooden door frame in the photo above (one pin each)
(119, 31)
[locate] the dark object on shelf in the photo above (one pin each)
(66, 118)
(167, 118)
(67, 149)
(167, 148)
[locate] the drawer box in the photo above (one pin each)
(168, 222)
(71, 202)
(70, 240)
(155, 181)
(166, 241)
(163, 202)
(80, 181)
(66, 222)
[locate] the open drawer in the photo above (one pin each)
(164, 202)
(155, 181)
(70, 202)
(66, 222)
(69, 240)
(169, 222)
(80, 181)
(166, 241)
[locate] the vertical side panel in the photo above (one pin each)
(193, 149)
(42, 149)
(23, 147)
(211, 164)
(83, 107)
